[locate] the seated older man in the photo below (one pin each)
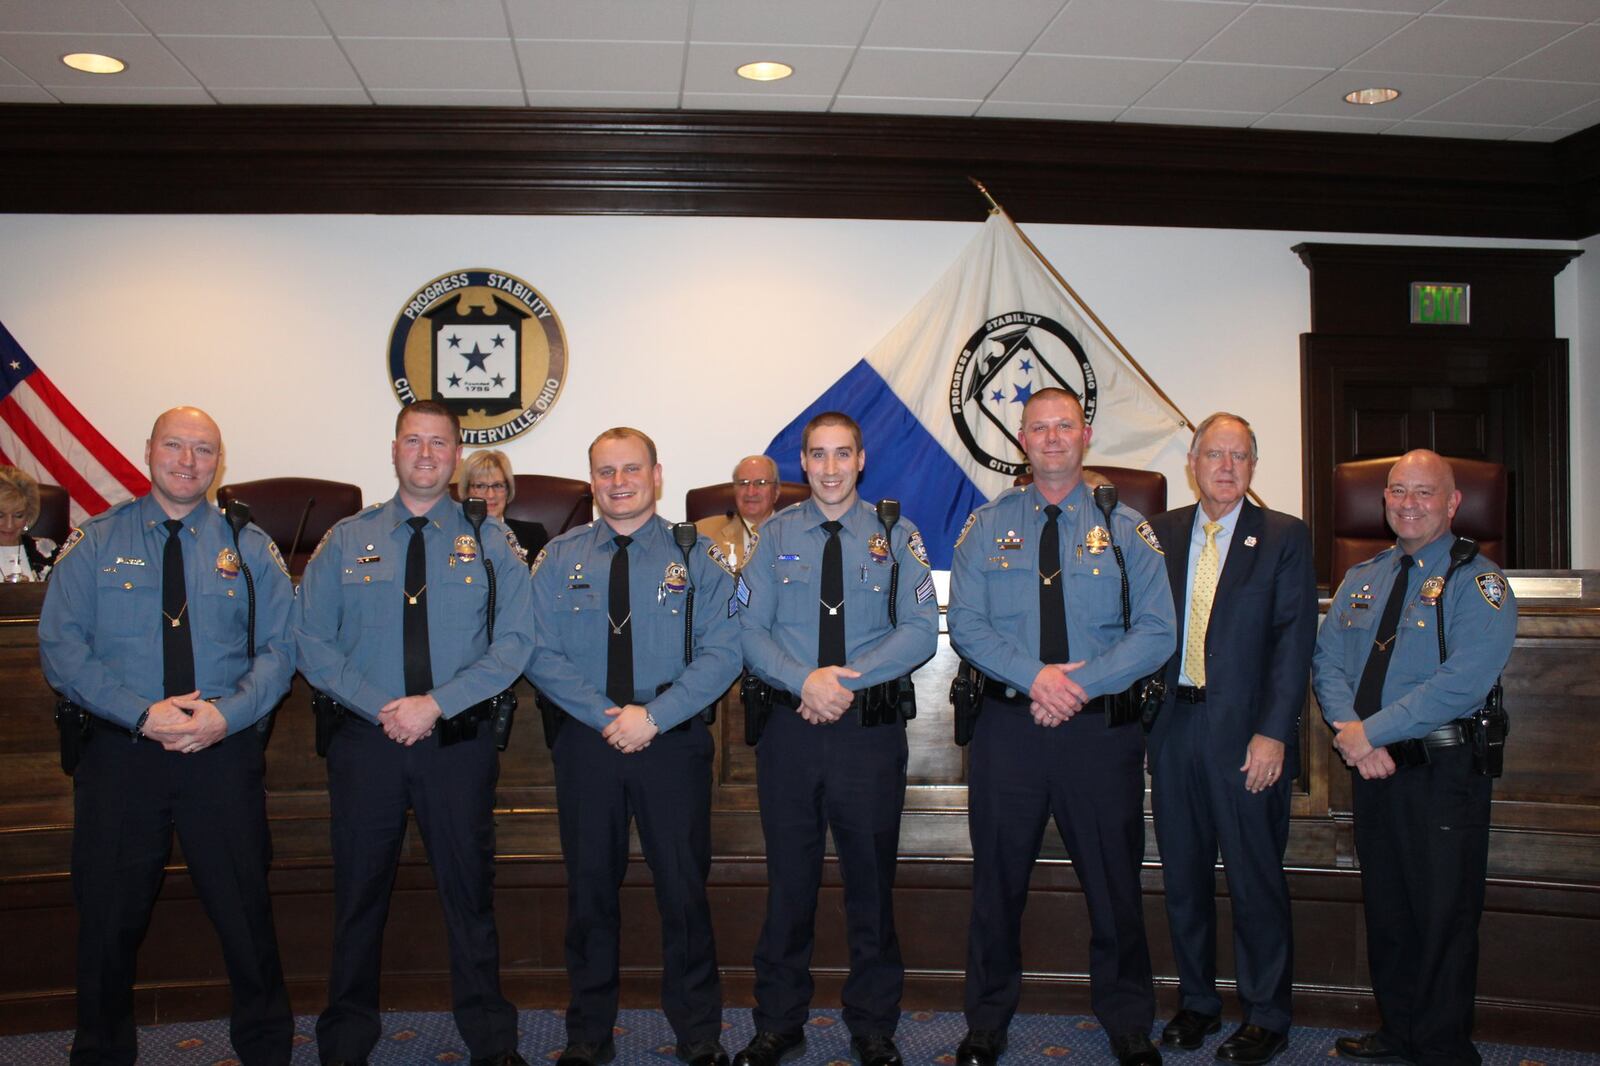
(755, 494)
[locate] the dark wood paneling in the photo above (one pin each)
(525, 161)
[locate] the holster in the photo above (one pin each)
(464, 726)
(1151, 696)
(1487, 731)
(550, 716)
(503, 717)
(329, 716)
(966, 696)
(888, 702)
(756, 695)
(73, 725)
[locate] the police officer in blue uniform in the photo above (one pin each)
(616, 597)
(393, 623)
(818, 630)
(146, 628)
(1036, 605)
(1403, 700)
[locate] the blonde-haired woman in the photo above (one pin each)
(487, 475)
(23, 557)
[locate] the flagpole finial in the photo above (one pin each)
(994, 208)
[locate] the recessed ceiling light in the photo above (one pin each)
(765, 70)
(1371, 96)
(94, 63)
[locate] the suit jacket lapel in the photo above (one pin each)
(1178, 562)
(1241, 556)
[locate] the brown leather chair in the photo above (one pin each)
(557, 503)
(1361, 531)
(1143, 490)
(55, 514)
(710, 500)
(277, 505)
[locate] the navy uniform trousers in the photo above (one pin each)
(1200, 806)
(1422, 837)
(1090, 778)
(850, 780)
(666, 790)
(371, 782)
(129, 797)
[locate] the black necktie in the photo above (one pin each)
(1369, 694)
(830, 612)
(1052, 601)
(177, 650)
(619, 638)
(418, 661)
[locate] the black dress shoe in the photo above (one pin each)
(1135, 1049)
(583, 1053)
(767, 1048)
(1188, 1029)
(1251, 1045)
(1372, 1047)
(875, 1050)
(505, 1058)
(981, 1047)
(703, 1053)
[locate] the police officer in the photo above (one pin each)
(392, 623)
(616, 595)
(817, 629)
(1401, 696)
(145, 626)
(1036, 605)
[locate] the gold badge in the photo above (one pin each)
(1432, 589)
(228, 563)
(466, 549)
(1097, 540)
(676, 579)
(878, 548)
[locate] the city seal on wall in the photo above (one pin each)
(1008, 359)
(484, 343)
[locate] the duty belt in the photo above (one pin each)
(1114, 705)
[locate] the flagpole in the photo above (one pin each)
(996, 209)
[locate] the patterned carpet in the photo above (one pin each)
(925, 1038)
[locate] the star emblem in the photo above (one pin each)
(454, 381)
(499, 379)
(499, 341)
(1026, 366)
(475, 358)
(1023, 392)
(15, 365)
(455, 342)
(998, 396)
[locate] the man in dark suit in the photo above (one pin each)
(1226, 745)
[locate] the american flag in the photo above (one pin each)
(43, 434)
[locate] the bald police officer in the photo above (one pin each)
(833, 757)
(632, 671)
(145, 626)
(393, 623)
(1402, 696)
(1036, 605)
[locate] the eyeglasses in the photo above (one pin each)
(487, 486)
(759, 482)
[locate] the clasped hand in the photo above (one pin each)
(1056, 697)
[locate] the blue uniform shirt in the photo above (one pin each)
(348, 624)
(780, 625)
(994, 592)
(1419, 692)
(100, 629)
(571, 594)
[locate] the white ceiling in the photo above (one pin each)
(1491, 69)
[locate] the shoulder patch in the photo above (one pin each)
(972, 519)
(323, 543)
(538, 561)
(919, 550)
(1493, 588)
(1147, 534)
(277, 556)
(68, 544)
(516, 547)
(721, 560)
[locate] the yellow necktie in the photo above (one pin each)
(1206, 569)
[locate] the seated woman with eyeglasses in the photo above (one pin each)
(487, 475)
(22, 557)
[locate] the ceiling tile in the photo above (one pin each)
(1417, 92)
(810, 22)
(1300, 37)
(888, 105)
(1576, 57)
(1230, 87)
(25, 94)
(1555, 10)
(602, 100)
(817, 69)
(1324, 123)
(1541, 133)
(913, 73)
(393, 63)
(1435, 45)
(415, 18)
(324, 97)
(69, 16)
(1498, 101)
(285, 18)
(600, 20)
(1165, 116)
(1580, 118)
(128, 94)
(1049, 112)
(1010, 26)
(755, 102)
(10, 75)
(1468, 131)
(1403, 7)
(265, 62)
(1138, 29)
(616, 66)
(39, 56)
(1081, 80)
(449, 97)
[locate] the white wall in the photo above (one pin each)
(708, 333)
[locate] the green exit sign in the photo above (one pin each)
(1438, 303)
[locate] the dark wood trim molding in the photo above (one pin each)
(392, 160)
